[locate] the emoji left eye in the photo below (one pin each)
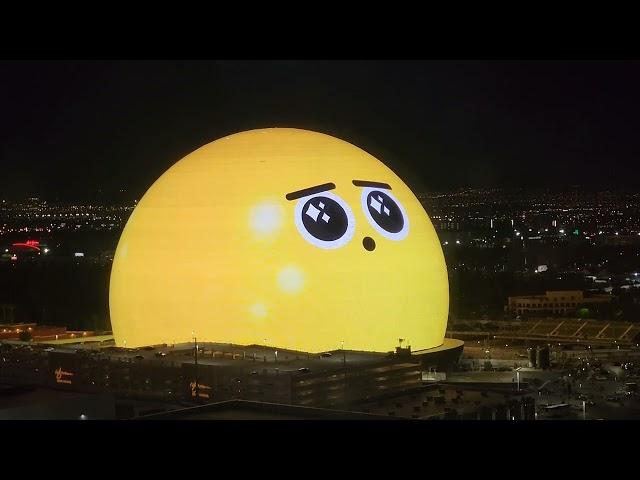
(385, 213)
(325, 220)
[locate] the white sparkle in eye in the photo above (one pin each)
(325, 217)
(313, 212)
(321, 205)
(375, 204)
(387, 211)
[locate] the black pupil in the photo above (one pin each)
(385, 211)
(324, 218)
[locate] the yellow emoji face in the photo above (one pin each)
(283, 237)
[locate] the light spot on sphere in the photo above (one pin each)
(123, 251)
(266, 220)
(291, 279)
(259, 310)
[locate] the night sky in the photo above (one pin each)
(78, 130)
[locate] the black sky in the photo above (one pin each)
(70, 129)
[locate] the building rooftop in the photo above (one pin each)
(248, 410)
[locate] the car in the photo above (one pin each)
(160, 354)
(139, 357)
(326, 354)
(49, 349)
(148, 348)
(303, 370)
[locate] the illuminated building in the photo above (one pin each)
(557, 302)
(50, 333)
(282, 237)
(338, 379)
(27, 249)
(320, 382)
(28, 245)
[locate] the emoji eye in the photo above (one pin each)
(325, 220)
(385, 213)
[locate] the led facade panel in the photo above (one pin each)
(283, 237)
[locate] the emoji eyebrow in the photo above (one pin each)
(310, 191)
(366, 183)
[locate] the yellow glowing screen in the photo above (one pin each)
(280, 237)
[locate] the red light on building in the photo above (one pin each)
(34, 244)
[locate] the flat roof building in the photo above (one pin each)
(170, 373)
(561, 302)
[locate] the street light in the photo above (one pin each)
(195, 354)
(344, 355)
(584, 410)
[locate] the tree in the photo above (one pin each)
(584, 312)
(25, 336)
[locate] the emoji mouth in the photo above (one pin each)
(369, 243)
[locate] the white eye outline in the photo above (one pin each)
(332, 244)
(402, 234)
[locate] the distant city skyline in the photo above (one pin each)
(109, 197)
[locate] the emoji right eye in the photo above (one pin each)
(325, 220)
(385, 213)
